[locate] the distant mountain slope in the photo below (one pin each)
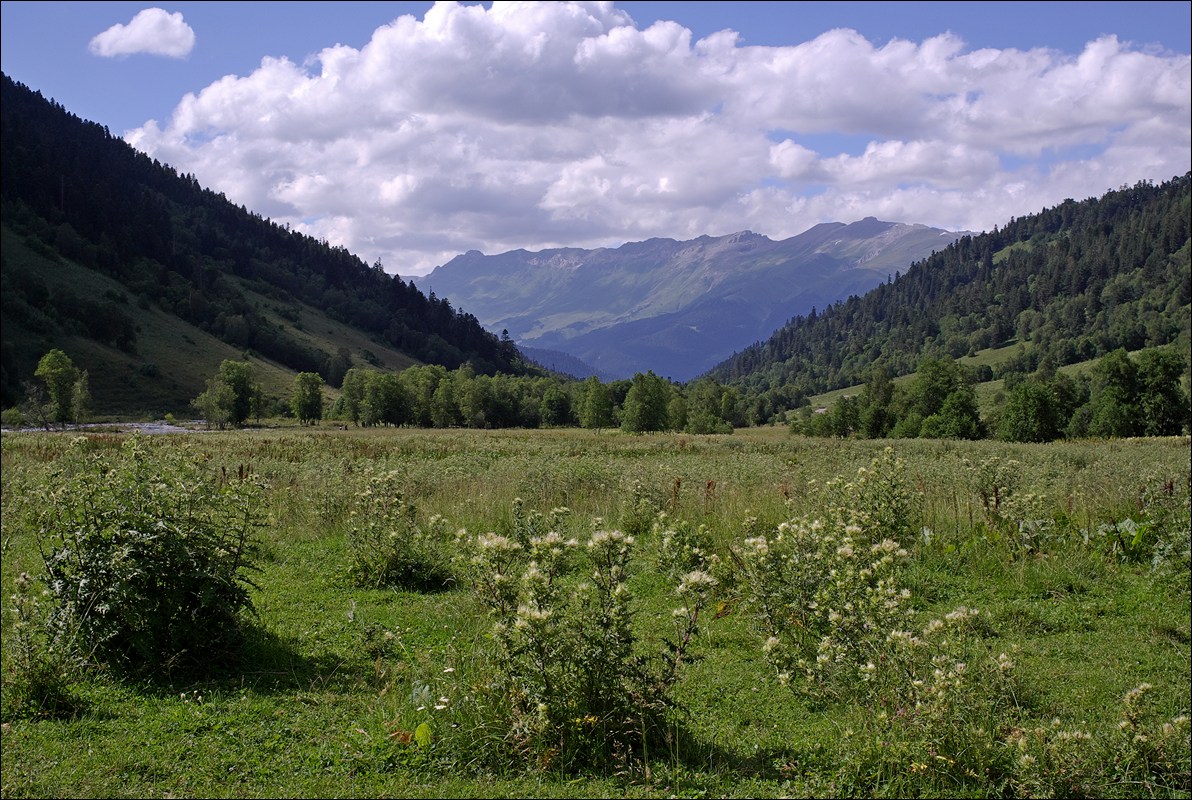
(562, 363)
(73, 194)
(1073, 282)
(676, 308)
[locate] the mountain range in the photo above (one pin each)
(674, 307)
(149, 281)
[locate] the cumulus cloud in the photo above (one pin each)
(152, 31)
(565, 124)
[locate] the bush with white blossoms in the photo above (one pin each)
(388, 544)
(826, 602)
(575, 686)
(148, 553)
(877, 499)
(682, 547)
(1149, 756)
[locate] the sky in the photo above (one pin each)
(411, 132)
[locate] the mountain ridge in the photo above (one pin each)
(676, 307)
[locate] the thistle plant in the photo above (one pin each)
(1167, 509)
(1144, 756)
(40, 660)
(638, 511)
(1149, 753)
(1018, 519)
(825, 601)
(578, 688)
(837, 629)
(877, 499)
(388, 544)
(682, 548)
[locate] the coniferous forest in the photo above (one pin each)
(1075, 282)
(77, 192)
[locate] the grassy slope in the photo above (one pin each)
(173, 358)
(988, 392)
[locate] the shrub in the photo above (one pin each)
(388, 545)
(682, 548)
(1168, 513)
(1145, 756)
(574, 687)
(39, 661)
(826, 603)
(147, 556)
(877, 499)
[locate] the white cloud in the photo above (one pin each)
(152, 31)
(564, 124)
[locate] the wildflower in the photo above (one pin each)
(758, 545)
(493, 541)
(696, 580)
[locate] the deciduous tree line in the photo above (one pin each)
(1120, 396)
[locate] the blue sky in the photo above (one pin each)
(497, 127)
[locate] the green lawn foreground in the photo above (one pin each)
(344, 691)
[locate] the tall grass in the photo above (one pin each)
(388, 688)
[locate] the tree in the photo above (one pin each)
(215, 404)
(352, 394)
(237, 376)
(845, 417)
(596, 406)
(1030, 414)
(556, 406)
(444, 408)
(230, 396)
(646, 405)
(1113, 409)
(60, 375)
(80, 397)
(420, 384)
(943, 397)
(958, 417)
(36, 407)
(386, 401)
(1163, 401)
(876, 416)
(307, 399)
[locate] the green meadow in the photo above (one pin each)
(778, 616)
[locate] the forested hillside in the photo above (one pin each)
(1070, 283)
(75, 195)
